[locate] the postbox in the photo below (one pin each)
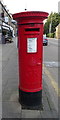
(30, 52)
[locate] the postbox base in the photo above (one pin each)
(30, 100)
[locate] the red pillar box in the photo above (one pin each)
(30, 39)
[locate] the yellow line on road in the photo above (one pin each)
(54, 84)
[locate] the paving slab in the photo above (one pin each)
(0, 81)
(0, 107)
(0, 117)
(30, 114)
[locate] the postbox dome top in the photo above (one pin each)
(44, 15)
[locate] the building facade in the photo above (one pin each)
(6, 24)
(58, 32)
(0, 23)
(59, 7)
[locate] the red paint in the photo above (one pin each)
(30, 25)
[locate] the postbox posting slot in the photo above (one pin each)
(32, 29)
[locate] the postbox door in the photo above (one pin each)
(30, 57)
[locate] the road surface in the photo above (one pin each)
(51, 66)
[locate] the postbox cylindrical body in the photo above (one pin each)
(30, 47)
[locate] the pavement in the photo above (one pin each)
(11, 107)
